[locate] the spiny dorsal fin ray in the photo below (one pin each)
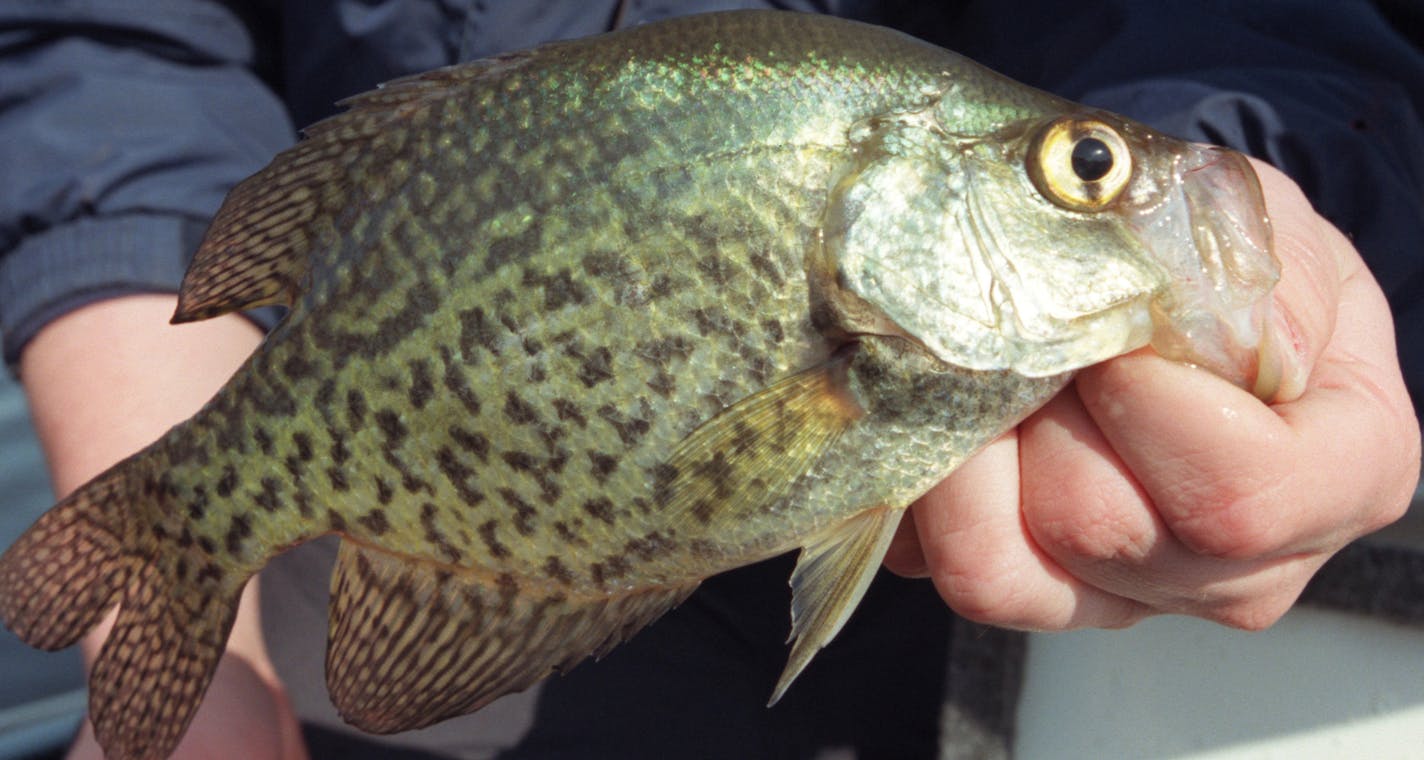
(256, 250)
(751, 453)
(413, 643)
(831, 576)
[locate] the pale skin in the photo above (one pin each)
(1147, 488)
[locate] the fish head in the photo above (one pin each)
(1043, 245)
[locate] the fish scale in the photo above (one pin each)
(572, 329)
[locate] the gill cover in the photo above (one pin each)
(1049, 247)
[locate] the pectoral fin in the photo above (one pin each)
(750, 454)
(831, 576)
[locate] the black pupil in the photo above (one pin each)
(1092, 159)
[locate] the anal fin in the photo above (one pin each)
(831, 576)
(413, 643)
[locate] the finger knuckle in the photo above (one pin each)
(1231, 518)
(992, 596)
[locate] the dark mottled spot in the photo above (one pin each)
(337, 476)
(703, 509)
(228, 482)
(555, 568)
(325, 393)
(297, 367)
(384, 491)
(422, 384)
(339, 453)
(198, 504)
(561, 289)
(596, 367)
(520, 460)
(663, 476)
(602, 465)
(663, 383)
(760, 369)
(391, 425)
(615, 566)
(271, 399)
(518, 411)
(604, 264)
(477, 330)
(475, 443)
(336, 521)
(455, 382)
(744, 437)
(356, 408)
(487, 535)
(629, 430)
(600, 508)
(701, 547)
(664, 350)
(549, 489)
(715, 268)
(433, 534)
(375, 522)
(237, 531)
(510, 323)
(766, 268)
(269, 498)
(263, 439)
(303, 442)
(661, 286)
(651, 546)
(537, 374)
(304, 507)
(568, 411)
(532, 346)
(823, 318)
(210, 572)
(524, 512)
(460, 475)
(568, 534)
(713, 319)
(206, 544)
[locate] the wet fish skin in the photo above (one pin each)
(575, 328)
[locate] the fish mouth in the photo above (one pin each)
(1214, 315)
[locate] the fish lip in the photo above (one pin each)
(1214, 314)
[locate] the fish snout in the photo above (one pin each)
(1214, 314)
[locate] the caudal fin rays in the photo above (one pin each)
(95, 549)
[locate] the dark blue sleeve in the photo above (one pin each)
(122, 126)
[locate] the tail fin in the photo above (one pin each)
(112, 541)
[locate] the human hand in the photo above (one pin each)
(1152, 487)
(105, 380)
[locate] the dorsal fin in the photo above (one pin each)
(413, 643)
(256, 250)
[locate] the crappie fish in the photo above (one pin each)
(573, 329)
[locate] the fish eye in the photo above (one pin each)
(1079, 164)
